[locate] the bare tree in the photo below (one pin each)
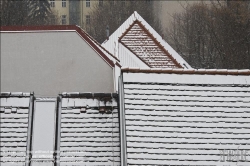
(54, 18)
(14, 12)
(112, 14)
(213, 36)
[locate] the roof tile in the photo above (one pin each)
(14, 128)
(170, 121)
(92, 137)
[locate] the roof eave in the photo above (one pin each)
(187, 71)
(66, 28)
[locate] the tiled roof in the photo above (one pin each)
(186, 119)
(89, 134)
(87, 129)
(13, 128)
(140, 42)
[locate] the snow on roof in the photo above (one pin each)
(107, 56)
(88, 133)
(14, 118)
(142, 41)
(186, 119)
(88, 125)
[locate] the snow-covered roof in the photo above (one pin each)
(186, 117)
(137, 39)
(87, 123)
(14, 119)
(88, 133)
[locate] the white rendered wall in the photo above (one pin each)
(52, 62)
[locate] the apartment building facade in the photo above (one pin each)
(74, 12)
(77, 12)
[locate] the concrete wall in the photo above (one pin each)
(52, 62)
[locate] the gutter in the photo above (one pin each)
(123, 140)
(187, 71)
(58, 131)
(30, 129)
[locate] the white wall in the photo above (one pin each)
(52, 62)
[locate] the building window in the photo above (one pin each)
(87, 19)
(100, 3)
(64, 21)
(63, 3)
(87, 3)
(52, 3)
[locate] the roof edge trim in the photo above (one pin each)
(87, 95)
(57, 28)
(101, 46)
(15, 94)
(38, 28)
(187, 71)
